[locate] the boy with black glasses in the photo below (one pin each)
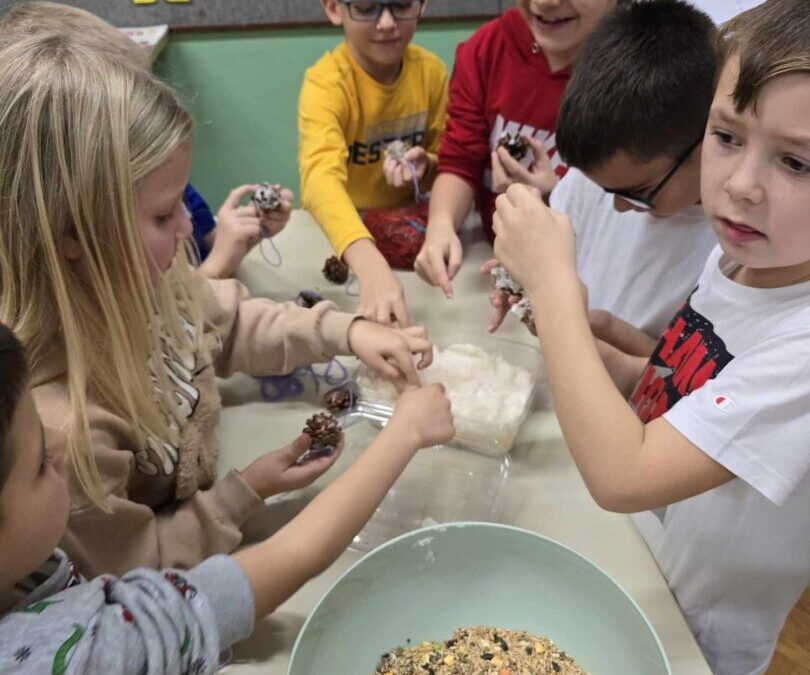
(373, 89)
(630, 128)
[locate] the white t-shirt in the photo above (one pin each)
(638, 267)
(733, 373)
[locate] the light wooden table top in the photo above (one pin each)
(542, 492)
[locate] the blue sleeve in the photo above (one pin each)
(201, 218)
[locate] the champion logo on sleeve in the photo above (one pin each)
(724, 402)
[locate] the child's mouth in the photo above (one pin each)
(739, 232)
(553, 23)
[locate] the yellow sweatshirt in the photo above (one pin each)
(345, 120)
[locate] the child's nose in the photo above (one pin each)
(386, 20)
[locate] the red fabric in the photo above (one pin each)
(496, 74)
(398, 233)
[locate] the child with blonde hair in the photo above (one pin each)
(169, 621)
(125, 338)
(222, 240)
(708, 438)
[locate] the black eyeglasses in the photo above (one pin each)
(646, 203)
(403, 10)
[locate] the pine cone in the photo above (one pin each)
(338, 400)
(325, 432)
(396, 150)
(267, 198)
(335, 271)
(515, 144)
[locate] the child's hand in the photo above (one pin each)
(398, 172)
(425, 412)
(382, 299)
(238, 230)
(273, 222)
(439, 259)
(533, 242)
(276, 471)
(501, 301)
(506, 170)
(390, 351)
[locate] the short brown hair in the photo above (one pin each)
(642, 83)
(13, 376)
(771, 39)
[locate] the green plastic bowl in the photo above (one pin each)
(425, 584)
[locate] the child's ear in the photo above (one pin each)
(71, 248)
(332, 10)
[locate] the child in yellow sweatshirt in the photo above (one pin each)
(374, 88)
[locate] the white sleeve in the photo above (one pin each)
(564, 197)
(754, 417)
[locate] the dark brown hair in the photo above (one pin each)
(13, 376)
(643, 83)
(771, 39)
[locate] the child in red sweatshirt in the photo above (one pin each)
(508, 77)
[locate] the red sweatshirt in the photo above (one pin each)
(501, 82)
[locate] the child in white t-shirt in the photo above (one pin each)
(714, 430)
(630, 128)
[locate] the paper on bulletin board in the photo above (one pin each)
(723, 10)
(151, 38)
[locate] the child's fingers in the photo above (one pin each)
(439, 272)
(401, 361)
(488, 266)
(245, 211)
(415, 154)
(252, 234)
(514, 169)
(496, 299)
(400, 313)
(407, 174)
(236, 195)
(540, 158)
(454, 258)
(423, 347)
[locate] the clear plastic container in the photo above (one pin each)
(486, 434)
(439, 485)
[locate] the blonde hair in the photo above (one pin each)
(36, 18)
(79, 130)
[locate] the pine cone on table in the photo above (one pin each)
(335, 270)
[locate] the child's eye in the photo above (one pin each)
(795, 165)
(723, 136)
(160, 221)
(365, 9)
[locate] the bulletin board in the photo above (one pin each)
(228, 14)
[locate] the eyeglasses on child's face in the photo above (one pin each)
(402, 10)
(646, 203)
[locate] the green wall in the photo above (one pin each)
(242, 88)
